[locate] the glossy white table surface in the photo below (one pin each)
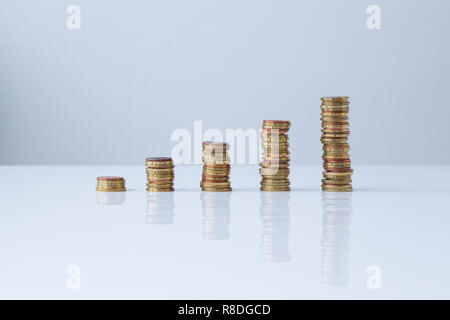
(245, 244)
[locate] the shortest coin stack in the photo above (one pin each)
(335, 132)
(216, 167)
(160, 174)
(110, 184)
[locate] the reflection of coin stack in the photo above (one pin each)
(275, 165)
(337, 208)
(335, 132)
(110, 184)
(110, 198)
(160, 174)
(216, 215)
(216, 167)
(160, 207)
(275, 218)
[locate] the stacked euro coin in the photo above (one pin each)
(216, 167)
(160, 174)
(110, 184)
(274, 168)
(335, 132)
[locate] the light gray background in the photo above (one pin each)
(112, 92)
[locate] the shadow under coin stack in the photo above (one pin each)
(160, 174)
(216, 167)
(275, 165)
(335, 132)
(110, 184)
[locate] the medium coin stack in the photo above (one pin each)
(335, 132)
(110, 184)
(160, 174)
(274, 168)
(216, 167)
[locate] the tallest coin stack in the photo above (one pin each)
(335, 132)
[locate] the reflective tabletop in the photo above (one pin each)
(61, 239)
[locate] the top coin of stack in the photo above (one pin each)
(110, 184)
(275, 165)
(335, 132)
(160, 174)
(216, 167)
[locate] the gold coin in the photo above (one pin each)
(337, 173)
(342, 126)
(335, 149)
(337, 166)
(336, 156)
(275, 183)
(341, 181)
(110, 186)
(335, 99)
(216, 190)
(216, 172)
(274, 165)
(335, 108)
(276, 155)
(215, 184)
(328, 189)
(272, 171)
(101, 183)
(159, 190)
(160, 177)
(167, 169)
(110, 190)
(334, 141)
(334, 116)
(275, 148)
(275, 189)
(215, 178)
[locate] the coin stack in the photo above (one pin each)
(335, 132)
(160, 174)
(216, 167)
(275, 164)
(110, 184)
